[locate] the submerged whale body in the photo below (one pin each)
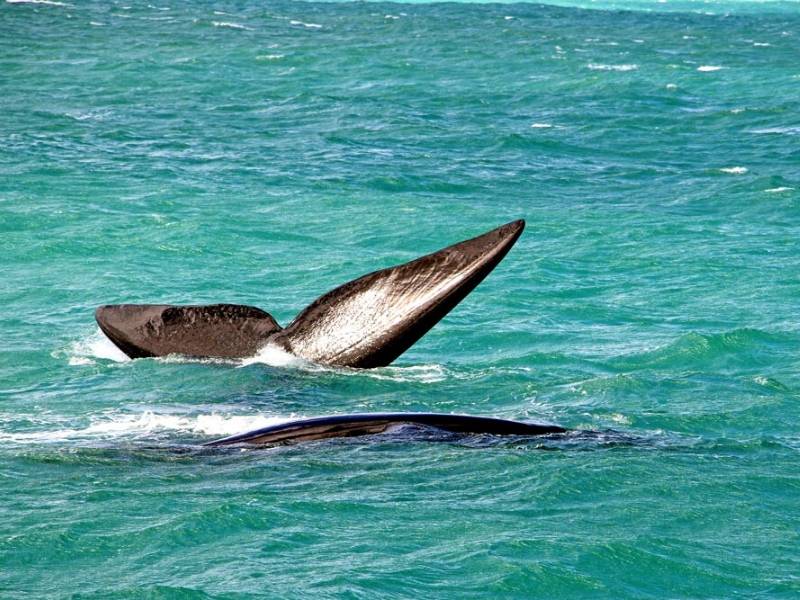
(367, 322)
(339, 426)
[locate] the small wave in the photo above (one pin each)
(734, 170)
(709, 68)
(778, 130)
(231, 25)
(541, 126)
(309, 25)
(47, 2)
(415, 373)
(603, 67)
(779, 190)
(120, 426)
(737, 347)
(269, 56)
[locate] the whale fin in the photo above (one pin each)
(211, 331)
(372, 320)
(320, 428)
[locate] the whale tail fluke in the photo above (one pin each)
(367, 322)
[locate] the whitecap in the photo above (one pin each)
(309, 25)
(620, 419)
(672, 86)
(541, 126)
(602, 67)
(734, 170)
(412, 374)
(230, 25)
(269, 56)
(47, 2)
(779, 190)
(708, 68)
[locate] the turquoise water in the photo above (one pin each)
(264, 153)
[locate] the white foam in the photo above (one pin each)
(541, 126)
(309, 25)
(230, 25)
(117, 426)
(734, 170)
(779, 190)
(602, 67)
(269, 56)
(416, 373)
(48, 2)
(96, 345)
(708, 68)
(672, 86)
(275, 356)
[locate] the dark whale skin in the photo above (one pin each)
(339, 426)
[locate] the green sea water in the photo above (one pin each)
(263, 153)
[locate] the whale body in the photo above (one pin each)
(338, 426)
(367, 322)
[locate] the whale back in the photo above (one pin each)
(338, 426)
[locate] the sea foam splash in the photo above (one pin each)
(231, 25)
(275, 356)
(47, 2)
(96, 346)
(85, 351)
(116, 426)
(602, 67)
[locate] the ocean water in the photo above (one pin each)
(262, 153)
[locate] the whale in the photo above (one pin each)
(355, 425)
(365, 323)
